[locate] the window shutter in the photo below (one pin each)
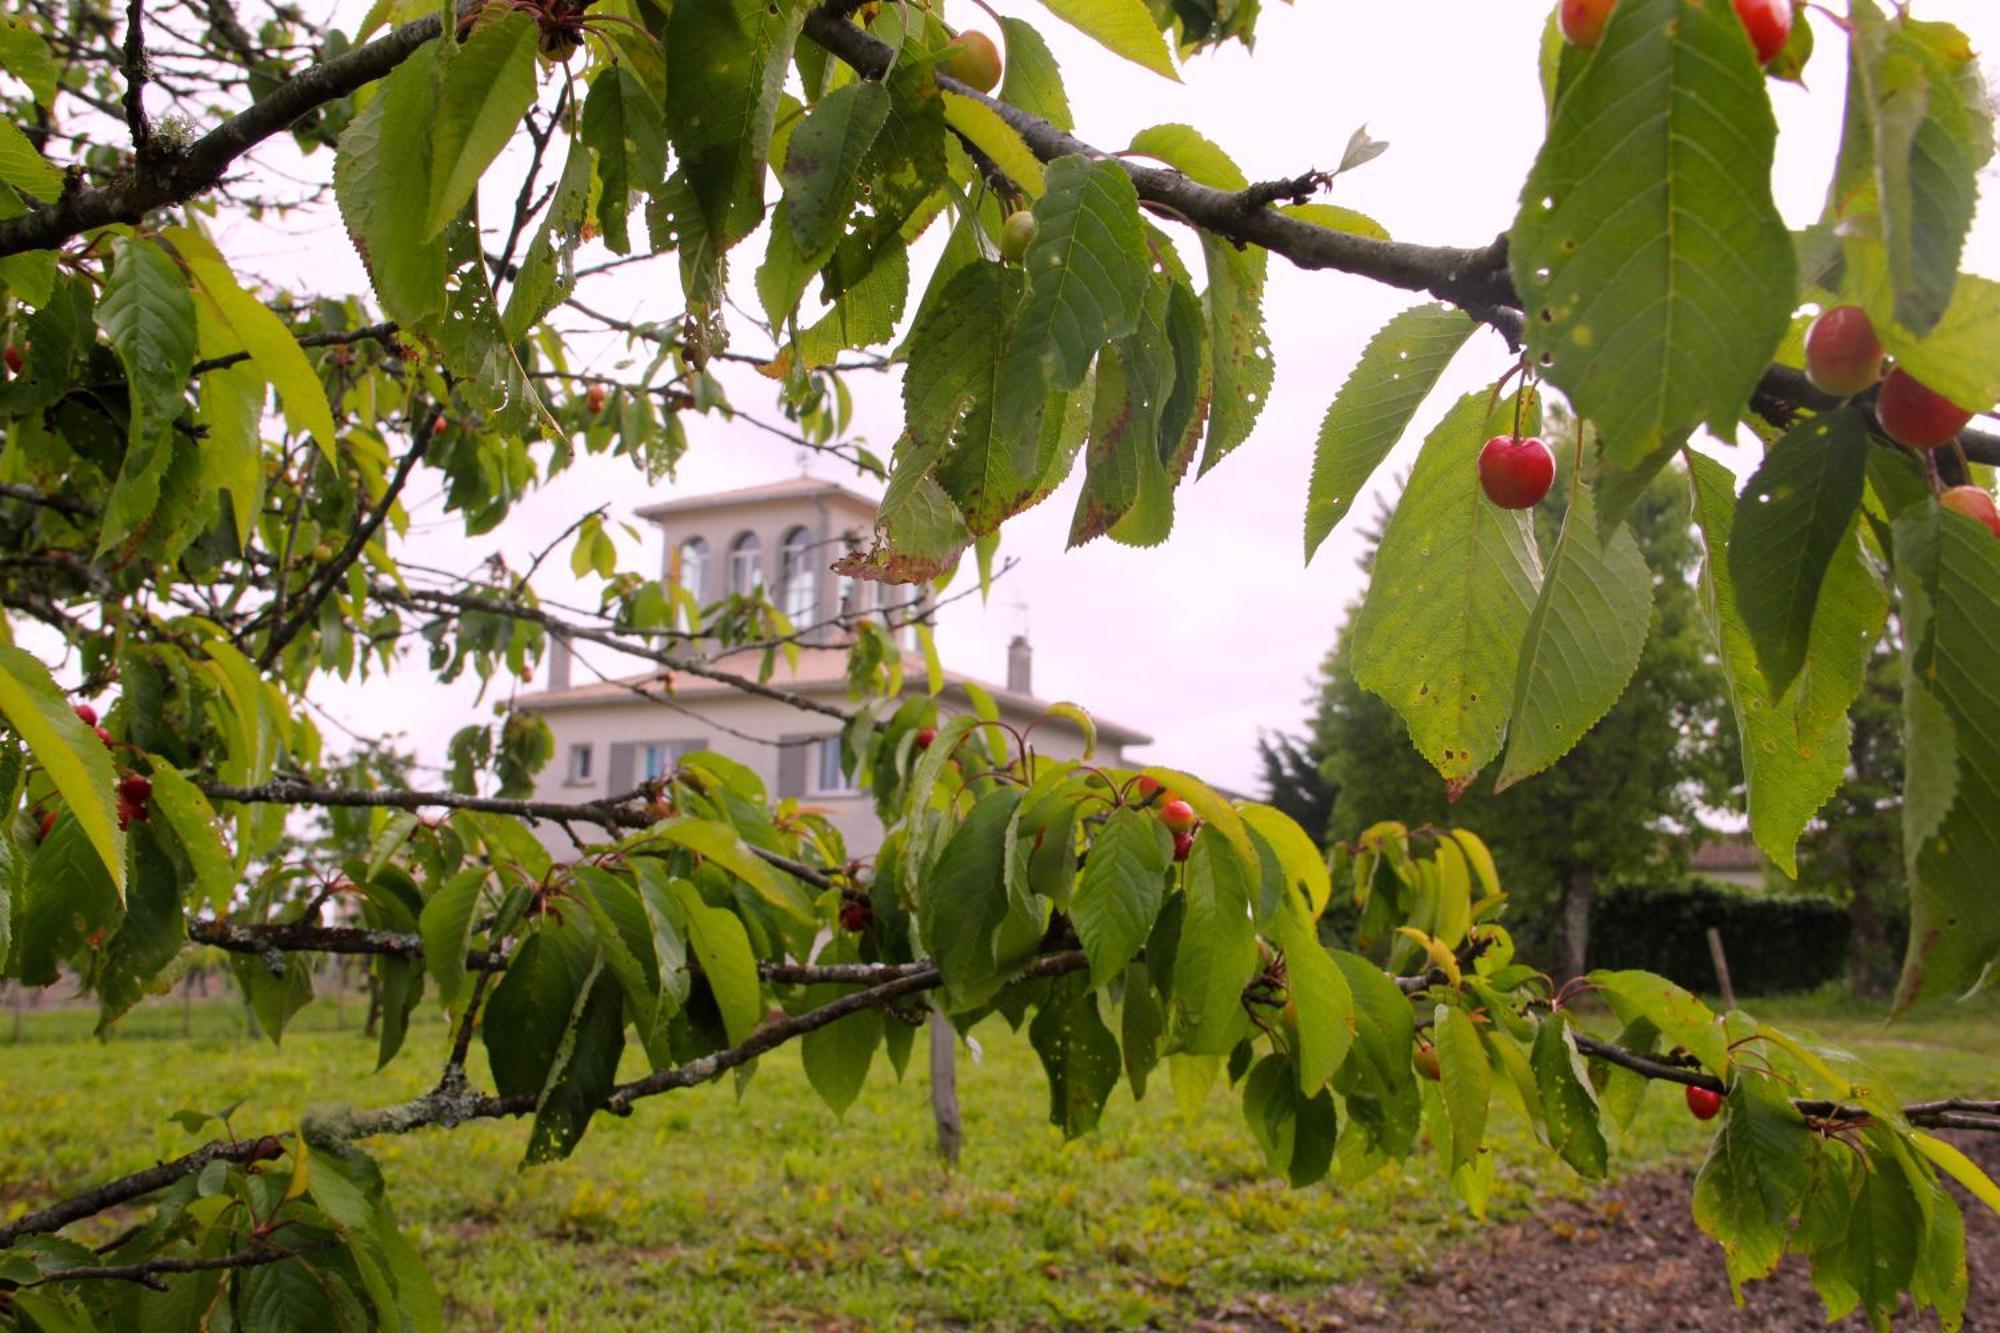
(618, 770)
(794, 754)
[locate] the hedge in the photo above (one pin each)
(1774, 944)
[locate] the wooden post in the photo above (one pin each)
(1721, 962)
(944, 1088)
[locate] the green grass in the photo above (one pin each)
(701, 1210)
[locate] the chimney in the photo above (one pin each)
(1020, 665)
(558, 662)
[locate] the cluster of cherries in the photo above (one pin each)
(135, 790)
(1177, 815)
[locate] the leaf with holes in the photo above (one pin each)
(1078, 1052)
(1656, 272)
(1583, 642)
(823, 160)
(1455, 583)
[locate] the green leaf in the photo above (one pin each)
(1373, 408)
(25, 54)
(1218, 950)
(1319, 996)
(272, 348)
(1377, 1082)
(147, 315)
(382, 168)
(823, 161)
(1961, 1168)
(1454, 587)
(584, 1071)
(1141, 1020)
(530, 1010)
(548, 271)
(150, 933)
(488, 84)
(1794, 514)
(1120, 890)
(1656, 272)
(1078, 1053)
(1960, 357)
(35, 707)
(723, 845)
(24, 168)
(446, 927)
(625, 127)
(1299, 858)
(1467, 1082)
(1032, 81)
(836, 1057)
(1123, 27)
(1948, 568)
(982, 126)
(722, 947)
(1754, 1180)
(347, 1187)
(1569, 1105)
(1124, 479)
(1794, 748)
(1933, 131)
(1583, 641)
(726, 64)
(1682, 1019)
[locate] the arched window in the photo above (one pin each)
(746, 564)
(797, 586)
(692, 574)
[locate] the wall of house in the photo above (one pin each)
(636, 724)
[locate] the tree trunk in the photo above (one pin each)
(1577, 889)
(944, 1088)
(1866, 946)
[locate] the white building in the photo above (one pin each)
(611, 735)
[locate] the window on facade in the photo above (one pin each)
(580, 763)
(657, 759)
(746, 565)
(797, 584)
(693, 573)
(828, 779)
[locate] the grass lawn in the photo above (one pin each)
(698, 1211)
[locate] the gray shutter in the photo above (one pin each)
(793, 755)
(618, 769)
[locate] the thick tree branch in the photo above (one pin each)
(137, 1185)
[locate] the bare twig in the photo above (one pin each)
(152, 1272)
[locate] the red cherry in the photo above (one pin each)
(1177, 815)
(1913, 415)
(1702, 1103)
(593, 399)
(855, 916)
(14, 359)
(1769, 23)
(971, 58)
(1516, 473)
(48, 823)
(104, 736)
(136, 787)
(1973, 502)
(85, 714)
(1843, 355)
(1183, 844)
(1425, 1058)
(438, 426)
(1148, 789)
(925, 737)
(1583, 21)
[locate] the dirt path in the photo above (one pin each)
(1631, 1258)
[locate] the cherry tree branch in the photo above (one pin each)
(137, 1185)
(152, 1272)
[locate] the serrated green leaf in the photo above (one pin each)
(1655, 270)
(1124, 477)
(1960, 357)
(1078, 1053)
(1123, 27)
(1454, 586)
(446, 927)
(1032, 81)
(625, 128)
(530, 1010)
(1681, 1018)
(382, 167)
(1960, 1167)
(147, 316)
(1754, 1179)
(1373, 408)
(1319, 997)
(584, 1071)
(24, 168)
(24, 53)
(836, 1057)
(726, 64)
(488, 84)
(548, 271)
(725, 846)
(722, 947)
(1569, 1104)
(823, 160)
(1120, 890)
(272, 348)
(1467, 1081)
(1794, 515)
(35, 707)
(1794, 748)
(982, 126)
(1217, 955)
(1948, 569)
(1583, 641)
(192, 821)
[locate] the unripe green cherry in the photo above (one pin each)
(1017, 233)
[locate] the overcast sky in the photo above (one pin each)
(1209, 638)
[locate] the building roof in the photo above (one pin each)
(819, 672)
(792, 488)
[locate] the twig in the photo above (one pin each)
(135, 81)
(138, 1184)
(151, 1272)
